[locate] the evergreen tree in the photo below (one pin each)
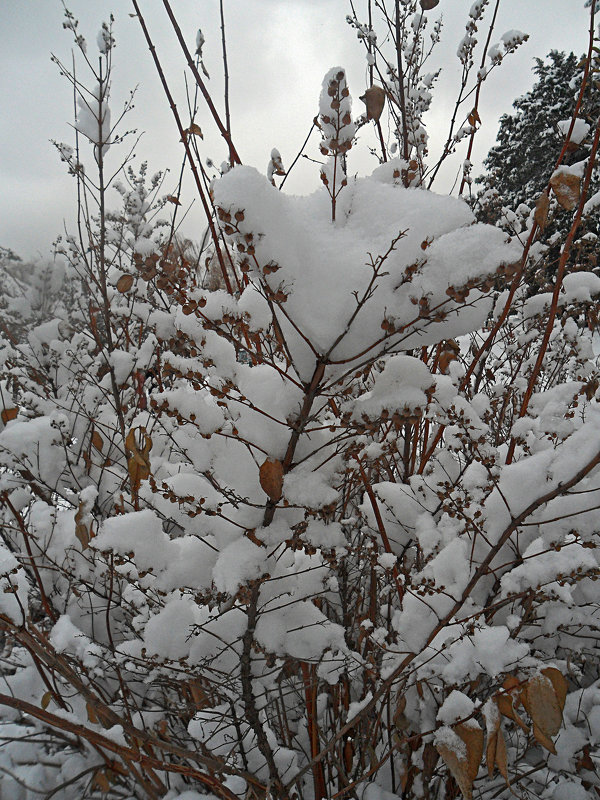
(520, 165)
(529, 141)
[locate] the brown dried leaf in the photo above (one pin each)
(559, 685)
(195, 130)
(541, 703)
(464, 766)
(505, 706)
(172, 199)
(271, 478)
(545, 741)
(474, 117)
(81, 529)
(444, 361)
(46, 697)
(427, 5)
(138, 460)
(459, 768)
(97, 441)
(541, 210)
(199, 696)
(490, 753)
(501, 759)
(472, 736)
(374, 99)
(430, 759)
(8, 414)
(124, 283)
(101, 781)
(496, 754)
(567, 188)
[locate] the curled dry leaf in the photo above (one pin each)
(472, 736)
(195, 130)
(97, 441)
(82, 532)
(559, 684)
(172, 199)
(545, 704)
(101, 781)
(8, 414)
(474, 118)
(138, 457)
(504, 701)
(567, 188)
(541, 210)
(464, 763)
(271, 478)
(427, 5)
(495, 755)
(374, 99)
(125, 283)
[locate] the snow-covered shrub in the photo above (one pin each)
(327, 530)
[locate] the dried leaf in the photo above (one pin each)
(172, 199)
(199, 696)
(559, 684)
(427, 5)
(81, 529)
(501, 759)
(464, 763)
(541, 703)
(472, 736)
(271, 478)
(138, 460)
(97, 441)
(496, 755)
(492, 719)
(374, 99)
(490, 753)
(541, 210)
(101, 781)
(458, 766)
(567, 188)
(8, 414)
(474, 117)
(505, 706)
(195, 130)
(543, 739)
(445, 360)
(125, 283)
(430, 759)
(46, 697)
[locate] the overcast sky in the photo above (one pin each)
(279, 51)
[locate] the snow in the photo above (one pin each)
(401, 387)
(446, 737)
(296, 233)
(355, 708)
(66, 637)
(512, 38)
(456, 707)
(580, 129)
(239, 562)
